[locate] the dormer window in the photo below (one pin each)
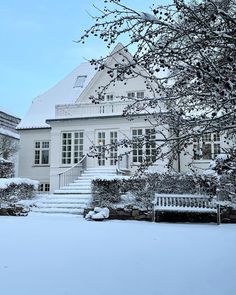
(80, 81)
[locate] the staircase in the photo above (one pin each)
(72, 199)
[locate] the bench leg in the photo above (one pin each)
(218, 214)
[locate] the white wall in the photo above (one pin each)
(89, 127)
(26, 155)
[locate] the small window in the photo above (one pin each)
(110, 97)
(131, 95)
(41, 153)
(44, 187)
(101, 97)
(80, 81)
(140, 94)
(120, 74)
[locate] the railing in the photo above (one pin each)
(72, 173)
(122, 170)
(191, 203)
(90, 110)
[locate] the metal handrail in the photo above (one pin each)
(120, 170)
(68, 175)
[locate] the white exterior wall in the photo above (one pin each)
(90, 128)
(26, 155)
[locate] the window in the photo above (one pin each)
(120, 74)
(72, 147)
(110, 97)
(80, 81)
(144, 145)
(44, 187)
(131, 95)
(113, 151)
(207, 148)
(101, 97)
(138, 95)
(41, 152)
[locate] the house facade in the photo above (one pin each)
(63, 124)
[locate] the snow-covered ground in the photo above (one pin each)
(57, 255)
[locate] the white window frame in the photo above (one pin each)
(143, 152)
(44, 187)
(140, 94)
(72, 146)
(40, 147)
(110, 97)
(207, 147)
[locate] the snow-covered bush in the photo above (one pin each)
(6, 168)
(106, 192)
(143, 188)
(221, 175)
(15, 189)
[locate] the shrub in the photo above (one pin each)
(15, 189)
(143, 188)
(106, 192)
(6, 168)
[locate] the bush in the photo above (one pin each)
(6, 168)
(143, 188)
(15, 189)
(106, 192)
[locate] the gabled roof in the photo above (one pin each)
(43, 106)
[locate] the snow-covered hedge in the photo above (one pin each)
(14, 189)
(6, 168)
(221, 175)
(108, 192)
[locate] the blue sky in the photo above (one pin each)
(37, 48)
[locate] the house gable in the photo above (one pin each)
(118, 88)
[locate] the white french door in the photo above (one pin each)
(107, 151)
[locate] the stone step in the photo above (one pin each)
(101, 169)
(58, 210)
(65, 201)
(70, 196)
(92, 174)
(78, 187)
(71, 191)
(80, 184)
(63, 205)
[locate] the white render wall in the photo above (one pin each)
(90, 128)
(26, 155)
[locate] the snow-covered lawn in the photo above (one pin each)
(55, 255)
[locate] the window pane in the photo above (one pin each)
(206, 151)
(37, 144)
(45, 144)
(37, 157)
(45, 157)
(216, 149)
(140, 94)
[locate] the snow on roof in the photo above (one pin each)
(7, 112)
(9, 133)
(65, 92)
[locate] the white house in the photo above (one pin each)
(62, 124)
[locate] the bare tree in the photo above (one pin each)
(187, 51)
(8, 147)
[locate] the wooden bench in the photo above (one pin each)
(185, 203)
